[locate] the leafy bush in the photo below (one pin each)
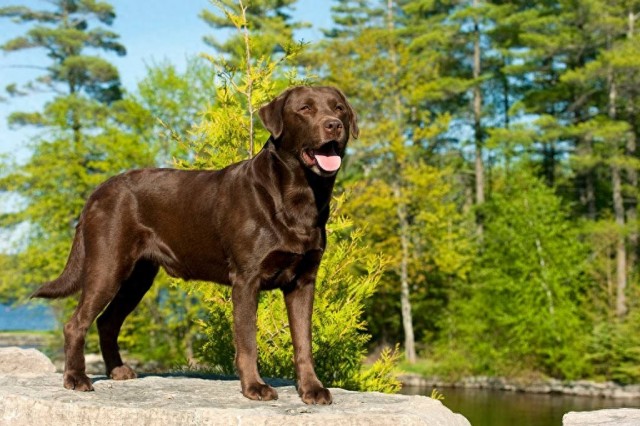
(614, 350)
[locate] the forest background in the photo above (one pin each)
(486, 219)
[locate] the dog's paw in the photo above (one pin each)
(260, 392)
(315, 395)
(123, 372)
(77, 381)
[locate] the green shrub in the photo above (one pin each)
(614, 350)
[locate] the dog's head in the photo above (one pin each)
(313, 124)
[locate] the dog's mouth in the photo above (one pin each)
(325, 158)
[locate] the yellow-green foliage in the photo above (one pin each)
(246, 81)
(437, 395)
(438, 239)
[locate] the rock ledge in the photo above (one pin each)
(606, 417)
(34, 395)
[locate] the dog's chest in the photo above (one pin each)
(293, 256)
(280, 268)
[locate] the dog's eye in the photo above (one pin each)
(339, 108)
(305, 108)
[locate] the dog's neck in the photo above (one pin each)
(290, 171)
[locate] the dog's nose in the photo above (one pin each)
(333, 124)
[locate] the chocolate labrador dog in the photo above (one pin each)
(255, 225)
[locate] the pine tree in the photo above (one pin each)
(398, 89)
(269, 21)
(87, 131)
(604, 81)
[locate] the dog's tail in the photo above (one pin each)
(69, 281)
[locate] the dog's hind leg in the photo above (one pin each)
(102, 284)
(110, 322)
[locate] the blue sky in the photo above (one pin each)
(151, 31)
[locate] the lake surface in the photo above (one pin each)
(30, 316)
(500, 408)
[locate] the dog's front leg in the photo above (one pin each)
(244, 295)
(299, 303)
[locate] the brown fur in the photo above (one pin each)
(255, 225)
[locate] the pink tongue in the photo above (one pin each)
(328, 163)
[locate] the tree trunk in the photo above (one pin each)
(477, 125)
(249, 71)
(407, 320)
(618, 210)
(506, 89)
(621, 250)
(632, 204)
(586, 186)
(401, 208)
(632, 173)
(549, 162)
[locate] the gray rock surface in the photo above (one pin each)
(608, 417)
(37, 397)
(24, 361)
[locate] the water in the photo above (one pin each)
(499, 408)
(31, 316)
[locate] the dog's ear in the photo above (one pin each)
(271, 115)
(353, 117)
